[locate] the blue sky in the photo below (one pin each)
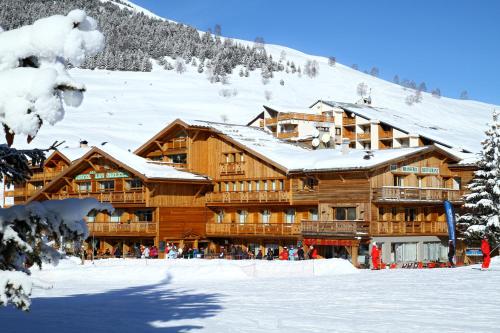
(453, 45)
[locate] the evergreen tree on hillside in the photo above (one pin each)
(483, 203)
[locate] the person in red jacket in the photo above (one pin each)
(284, 254)
(485, 248)
(375, 256)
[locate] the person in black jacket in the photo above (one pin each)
(451, 253)
(118, 251)
(269, 255)
(301, 254)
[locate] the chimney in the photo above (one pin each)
(345, 146)
(84, 144)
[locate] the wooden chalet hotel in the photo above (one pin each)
(209, 185)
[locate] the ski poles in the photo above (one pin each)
(496, 247)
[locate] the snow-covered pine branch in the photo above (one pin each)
(34, 80)
(483, 202)
(24, 233)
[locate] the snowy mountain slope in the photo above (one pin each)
(127, 108)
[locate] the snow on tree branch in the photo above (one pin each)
(33, 76)
(24, 234)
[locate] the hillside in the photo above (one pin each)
(127, 107)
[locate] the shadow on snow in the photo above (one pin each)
(141, 309)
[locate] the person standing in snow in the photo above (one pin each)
(137, 251)
(313, 253)
(301, 254)
(451, 253)
(259, 255)
(118, 251)
(291, 253)
(284, 254)
(485, 248)
(375, 257)
(145, 253)
(269, 255)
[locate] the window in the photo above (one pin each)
(308, 183)
(220, 216)
(230, 158)
(242, 186)
(282, 185)
(457, 183)
(158, 158)
(399, 181)
(107, 185)
(345, 213)
(249, 186)
(91, 216)
(337, 131)
(313, 214)
(266, 216)
(420, 180)
(227, 186)
(273, 185)
(394, 213)
(144, 215)
(178, 158)
(410, 214)
(84, 187)
(133, 184)
(257, 185)
(266, 185)
(242, 216)
(116, 215)
(405, 252)
(242, 157)
(235, 186)
(434, 251)
(290, 215)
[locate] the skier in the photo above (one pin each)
(485, 248)
(375, 256)
(451, 253)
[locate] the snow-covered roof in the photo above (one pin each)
(146, 167)
(74, 153)
(440, 128)
(296, 158)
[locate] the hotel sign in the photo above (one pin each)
(102, 175)
(413, 169)
(430, 170)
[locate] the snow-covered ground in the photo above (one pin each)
(257, 296)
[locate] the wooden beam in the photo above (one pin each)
(91, 164)
(46, 195)
(195, 135)
(159, 145)
(67, 181)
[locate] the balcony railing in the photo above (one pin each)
(176, 143)
(48, 175)
(385, 134)
(288, 135)
(349, 135)
(119, 197)
(364, 136)
(117, 228)
(395, 193)
(247, 197)
(408, 228)
(334, 228)
(252, 229)
(348, 121)
(232, 168)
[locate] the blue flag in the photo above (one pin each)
(450, 220)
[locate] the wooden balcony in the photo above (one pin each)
(232, 168)
(384, 135)
(305, 117)
(177, 143)
(349, 135)
(334, 228)
(410, 194)
(48, 175)
(176, 165)
(364, 136)
(271, 121)
(247, 197)
(118, 197)
(348, 121)
(288, 135)
(253, 229)
(122, 229)
(400, 228)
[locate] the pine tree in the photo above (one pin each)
(483, 202)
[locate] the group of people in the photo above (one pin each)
(485, 249)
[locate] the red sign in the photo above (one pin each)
(331, 242)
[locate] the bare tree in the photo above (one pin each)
(422, 87)
(362, 89)
(396, 79)
(464, 95)
(217, 30)
(259, 42)
(311, 68)
(355, 66)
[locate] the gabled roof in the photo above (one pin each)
(157, 136)
(136, 165)
(68, 154)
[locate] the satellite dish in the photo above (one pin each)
(325, 138)
(315, 142)
(315, 133)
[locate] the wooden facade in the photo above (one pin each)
(249, 200)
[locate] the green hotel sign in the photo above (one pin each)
(430, 170)
(102, 175)
(413, 169)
